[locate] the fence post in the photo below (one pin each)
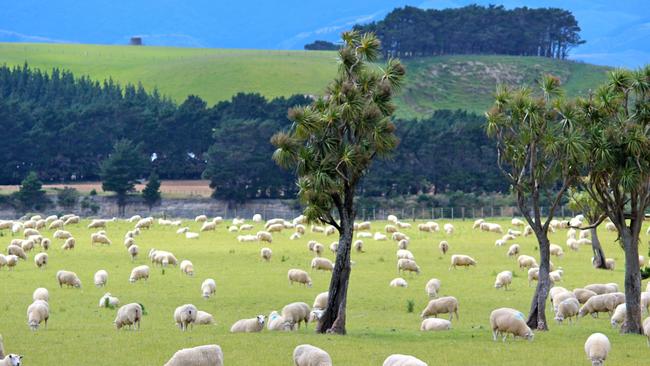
(433, 215)
(373, 214)
(452, 213)
(413, 213)
(462, 209)
(492, 211)
(563, 212)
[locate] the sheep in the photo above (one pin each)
(499, 243)
(108, 301)
(275, 228)
(318, 249)
(508, 237)
(266, 253)
(295, 236)
(38, 312)
(528, 230)
(443, 247)
(526, 261)
(556, 276)
(68, 278)
(129, 315)
(187, 267)
(12, 359)
(251, 325)
(264, 236)
(208, 226)
(317, 229)
(358, 246)
(403, 360)
(597, 348)
(503, 280)
(208, 288)
(330, 230)
(69, 244)
(398, 282)
(605, 303)
(138, 273)
(29, 232)
(573, 244)
(185, 315)
(162, 257)
(645, 301)
(71, 220)
(406, 254)
(443, 305)
(477, 223)
(556, 250)
(517, 222)
(323, 264)
(300, 229)
(567, 308)
(397, 236)
(101, 277)
(296, 313)
(364, 235)
(533, 275)
(182, 230)
(41, 294)
(17, 251)
(379, 237)
(134, 250)
(208, 355)
(403, 225)
(610, 226)
(434, 324)
(11, 261)
(201, 218)
(247, 238)
(45, 244)
(320, 302)
(583, 294)
(449, 228)
(461, 260)
(277, 322)
(407, 265)
(610, 263)
(646, 329)
(513, 250)
(619, 315)
(584, 242)
(600, 288)
(300, 276)
(191, 235)
(27, 245)
(40, 260)
(507, 320)
(432, 287)
(335, 246)
(134, 218)
(99, 239)
(308, 355)
(3, 260)
(364, 225)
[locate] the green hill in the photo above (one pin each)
(464, 82)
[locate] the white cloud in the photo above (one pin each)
(8, 35)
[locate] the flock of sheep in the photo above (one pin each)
(592, 299)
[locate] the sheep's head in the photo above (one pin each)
(559, 318)
(15, 360)
(261, 319)
(529, 335)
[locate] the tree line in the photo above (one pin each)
(474, 29)
(64, 127)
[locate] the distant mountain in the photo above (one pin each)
(616, 31)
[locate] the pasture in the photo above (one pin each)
(378, 324)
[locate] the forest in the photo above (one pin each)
(413, 32)
(63, 127)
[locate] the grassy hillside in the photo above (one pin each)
(464, 82)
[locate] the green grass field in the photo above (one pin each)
(453, 82)
(80, 333)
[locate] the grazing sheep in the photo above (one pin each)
(597, 348)
(477, 223)
(526, 261)
(247, 238)
(507, 320)
(503, 280)
(296, 313)
(29, 232)
(389, 229)
(499, 243)
(129, 315)
(133, 250)
(72, 220)
(45, 244)
(444, 247)
(461, 260)
(251, 325)
(403, 360)
(583, 294)
(185, 315)
(208, 226)
(12, 359)
(209, 355)
(610, 263)
(556, 276)
(101, 277)
(266, 254)
(646, 329)
(308, 355)
(379, 236)
(191, 235)
(600, 288)
(182, 230)
(358, 246)
(41, 294)
(17, 251)
(138, 273)
(435, 324)
(108, 301)
(38, 312)
(406, 254)
(187, 267)
(318, 249)
(320, 302)
(208, 288)
(533, 275)
(449, 228)
(605, 303)
(275, 228)
(432, 287)
(323, 264)
(443, 305)
(397, 236)
(264, 236)
(277, 322)
(68, 278)
(407, 265)
(567, 309)
(201, 218)
(364, 235)
(330, 230)
(517, 222)
(11, 261)
(398, 282)
(513, 250)
(556, 250)
(69, 244)
(619, 315)
(40, 260)
(295, 236)
(99, 239)
(300, 276)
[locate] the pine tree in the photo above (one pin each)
(151, 192)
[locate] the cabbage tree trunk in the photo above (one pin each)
(632, 322)
(537, 314)
(599, 254)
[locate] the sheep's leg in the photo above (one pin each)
(495, 333)
(456, 311)
(504, 337)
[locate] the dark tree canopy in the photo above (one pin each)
(322, 46)
(474, 29)
(121, 169)
(151, 192)
(30, 195)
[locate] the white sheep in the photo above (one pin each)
(600, 288)
(139, 273)
(300, 276)
(69, 244)
(323, 264)
(10, 260)
(12, 359)
(443, 305)
(101, 277)
(567, 309)
(619, 315)
(264, 236)
(404, 254)
(605, 303)
(398, 282)
(379, 236)
(277, 322)
(504, 279)
(403, 360)
(597, 348)
(40, 260)
(108, 301)
(358, 246)
(526, 261)
(208, 288)
(507, 320)
(461, 260)
(247, 238)
(38, 312)
(209, 355)
(556, 250)
(17, 251)
(295, 236)
(68, 278)
(187, 267)
(129, 315)
(646, 329)
(583, 294)
(41, 294)
(266, 254)
(435, 324)
(320, 302)
(296, 313)
(308, 355)
(513, 250)
(517, 222)
(99, 239)
(191, 235)
(407, 265)
(133, 250)
(432, 287)
(251, 325)
(449, 228)
(185, 315)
